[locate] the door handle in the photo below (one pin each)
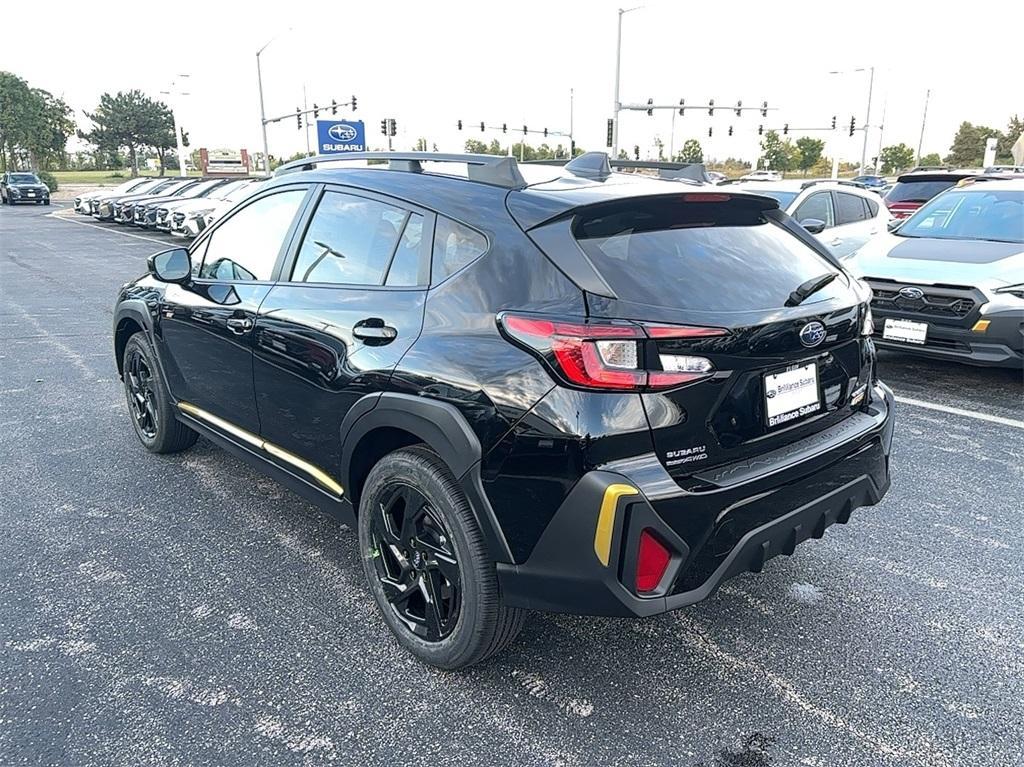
(374, 332)
(239, 325)
(836, 241)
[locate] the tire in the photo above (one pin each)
(471, 622)
(149, 404)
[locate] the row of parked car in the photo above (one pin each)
(180, 206)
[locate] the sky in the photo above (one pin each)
(429, 65)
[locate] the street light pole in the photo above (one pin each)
(867, 121)
(179, 140)
(617, 106)
(924, 118)
(263, 113)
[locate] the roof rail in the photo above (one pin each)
(840, 181)
(600, 165)
(497, 170)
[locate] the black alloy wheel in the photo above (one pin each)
(138, 384)
(415, 562)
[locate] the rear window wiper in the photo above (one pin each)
(812, 285)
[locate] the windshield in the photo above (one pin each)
(917, 191)
(783, 198)
(978, 214)
(24, 178)
(702, 256)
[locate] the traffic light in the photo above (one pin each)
(504, 127)
(853, 125)
(525, 131)
(730, 130)
(785, 129)
(459, 123)
(392, 126)
(709, 132)
(739, 111)
(184, 137)
(334, 106)
(298, 118)
(682, 106)
(760, 130)
(354, 103)
(711, 107)
(764, 109)
(545, 133)
(650, 103)
(481, 126)
(833, 122)
(316, 110)
(384, 127)
(611, 130)
(636, 151)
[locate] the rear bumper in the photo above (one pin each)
(1001, 345)
(755, 511)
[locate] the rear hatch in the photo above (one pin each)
(913, 191)
(715, 279)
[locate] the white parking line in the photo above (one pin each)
(960, 411)
(59, 217)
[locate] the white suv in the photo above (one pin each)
(762, 175)
(841, 215)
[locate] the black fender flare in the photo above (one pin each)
(443, 428)
(136, 310)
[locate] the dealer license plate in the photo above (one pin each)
(791, 394)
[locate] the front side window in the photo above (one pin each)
(246, 246)
(355, 241)
(817, 206)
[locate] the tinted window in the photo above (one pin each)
(246, 245)
(817, 206)
(973, 215)
(455, 246)
(783, 198)
(917, 191)
(850, 208)
(407, 267)
(872, 208)
(698, 255)
(350, 241)
(24, 178)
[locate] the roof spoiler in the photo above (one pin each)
(600, 165)
(497, 170)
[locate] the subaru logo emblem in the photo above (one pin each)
(341, 132)
(911, 293)
(812, 334)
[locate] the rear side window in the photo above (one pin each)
(850, 208)
(351, 241)
(699, 256)
(455, 245)
(872, 208)
(817, 206)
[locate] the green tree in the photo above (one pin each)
(896, 157)
(778, 154)
(34, 125)
(475, 146)
(968, 148)
(810, 152)
(931, 158)
(1014, 128)
(131, 121)
(495, 147)
(691, 151)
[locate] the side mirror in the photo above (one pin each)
(172, 265)
(894, 224)
(813, 225)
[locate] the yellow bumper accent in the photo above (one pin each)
(606, 520)
(981, 326)
(322, 477)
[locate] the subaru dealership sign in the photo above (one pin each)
(335, 136)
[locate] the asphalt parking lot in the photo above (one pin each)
(183, 610)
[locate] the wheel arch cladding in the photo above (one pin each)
(128, 323)
(398, 420)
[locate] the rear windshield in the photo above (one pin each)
(701, 256)
(917, 191)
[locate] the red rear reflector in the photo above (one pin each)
(681, 331)
(705, 197)
(651, 562)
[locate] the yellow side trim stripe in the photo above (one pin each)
(322, 477)
(606, 520)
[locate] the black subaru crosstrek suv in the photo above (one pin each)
(528, 387)
(16, 186)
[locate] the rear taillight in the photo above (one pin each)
(651, 562)
(610, 355)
